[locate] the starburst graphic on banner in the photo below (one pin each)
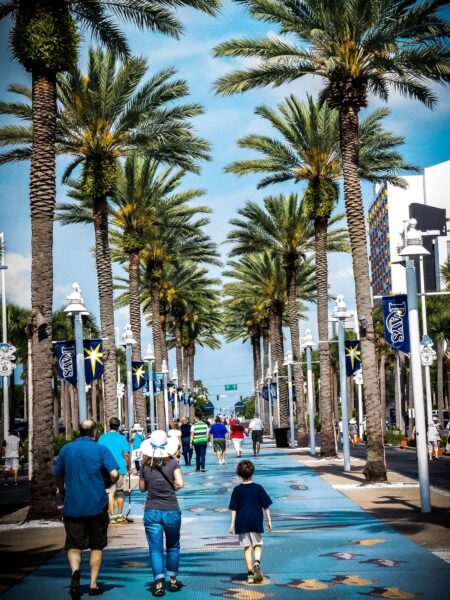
(354, 355)
(139, 374)
(94, 355)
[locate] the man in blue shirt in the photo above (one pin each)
(220, 436)
(79, 475)
(120, 449)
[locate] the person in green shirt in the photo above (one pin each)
(199, 441)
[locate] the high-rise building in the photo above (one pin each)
(427, 199)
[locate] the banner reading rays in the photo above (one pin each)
(352, 356)
(138, 375)
(66, 361)
(265, 392)
(93, 360)
(396, 324)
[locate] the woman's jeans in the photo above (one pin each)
(200, 455)
(187, 450)
(157, 523)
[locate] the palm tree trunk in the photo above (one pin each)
(375, 468)
(105, 293)
(186, 368)
(440, 380)
(191, 358)
(94, 400)
(256, 347)
(42, 201)
(266, 342)
(135, 322)
(294, 327)
(157, 342)
(179, 354)
(55, 410)
(277, 349)
(382, 376)
(327, 434)
(67, 410)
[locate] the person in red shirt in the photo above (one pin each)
(232, 420)
(237, 436)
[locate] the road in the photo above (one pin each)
(405, 463)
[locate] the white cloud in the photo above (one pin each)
(346, 273)
(18, 278)
(60, 293)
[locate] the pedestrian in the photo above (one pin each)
(199, 441)
(79, 476)
(118, 445)
(232, 420)
(237, 436)
(186, 441)
(11, 446)
(256, 427)
(434, 438)
(220, 436)
(161, 477)
(175, 432)
(247, 503)
(341, 433)
(136, 438)
(353, 432)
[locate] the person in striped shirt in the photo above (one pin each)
(199, 441)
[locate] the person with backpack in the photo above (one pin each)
(161, 478)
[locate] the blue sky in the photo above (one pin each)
(225, 120)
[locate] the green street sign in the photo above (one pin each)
(231, 387)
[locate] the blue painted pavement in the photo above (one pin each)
(323, 546)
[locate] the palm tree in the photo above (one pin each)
(438, 321)
(146, 195)
(309, 152)
(355, 47)
(263, 274)
(137, 117)
(44, 38)
(284, 228)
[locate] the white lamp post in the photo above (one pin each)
(77, 309)
(277, 381)
(128, 341)
(413, 249)
(269, 399)
(340, 313)
(149, 358)
(358, 379)
(165, 372)
(288, 361)
(261, 399)
(3, 268)
(308, 344)
(175, 406)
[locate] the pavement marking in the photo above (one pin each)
(371, 486)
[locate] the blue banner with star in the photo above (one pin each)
(352, 356)
(180, 394)
(138, 375)
(171, 392)
(93, 360)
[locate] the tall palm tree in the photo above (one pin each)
(355, 47)
(264, 274)
(137, 118)
(44, 39)
(283, 227)
(309, 152)
(145, 195)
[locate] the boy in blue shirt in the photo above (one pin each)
(220, 436)
(247, 503)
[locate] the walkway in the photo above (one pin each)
(323, 546)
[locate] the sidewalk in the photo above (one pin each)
(323, 545)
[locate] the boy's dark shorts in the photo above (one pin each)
(257, 436)
(87, 532)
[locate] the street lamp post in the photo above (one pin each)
(269, 390)
(413, 249)
(149, 358)
(277, 381)
(308, 344)
(288, 361)
(358, 379)
(175, 399)
(128, 341)
(3, 268)
(77, 309)
(340, 313)
(165, 372)
(261, 398)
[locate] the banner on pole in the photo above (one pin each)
(171, 392)
(66, 364)
(273, 391)
(138, 375)
(265, 392)
(157, 386)
(180, 395)
(352, 356)
(93, 360)
(395, 320)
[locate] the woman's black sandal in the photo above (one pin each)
(175, 587)
(159, 591)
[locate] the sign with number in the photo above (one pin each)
(427, 355)
(7, 358)
(231, 387)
